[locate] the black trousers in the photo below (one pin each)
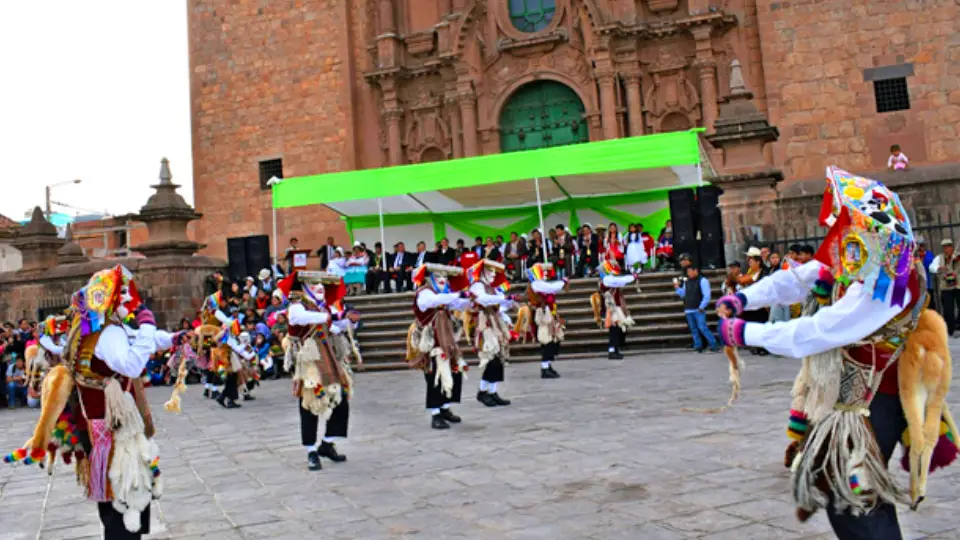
(950, 300)
(373, 282)
(336, 425)
(230, 387)
(493, 372)
(618, 338)
(401, 283)
(548, 352)
(435, 395)
(888, 422)
(113, 528)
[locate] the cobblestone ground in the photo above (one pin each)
(603, 453)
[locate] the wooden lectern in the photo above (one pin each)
(299, 257)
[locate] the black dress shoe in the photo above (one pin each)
(206, 392)
(215, 394)
(329, 451)
(227, 403)
(448, 415)
(614, 356)
(549, 373)
(497, 400)
(484, 397)
(439, 423)
(248, 397)
(313, 461)
(701, 349)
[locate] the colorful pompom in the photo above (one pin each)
(797, 426)
(155, 466)
(855, 485)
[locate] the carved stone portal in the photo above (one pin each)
(672, 102)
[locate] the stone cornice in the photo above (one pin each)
(660, 29)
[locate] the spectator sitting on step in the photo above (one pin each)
(250, 286)
(262, 301)
(266, 281)
(898, 160)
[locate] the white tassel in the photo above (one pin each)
(444, 373)
(825, 371)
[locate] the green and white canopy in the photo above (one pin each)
(620, 180)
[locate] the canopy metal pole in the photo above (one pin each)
(543, 231)
(383, 238)
(699, 174)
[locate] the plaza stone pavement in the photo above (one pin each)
(603, 453)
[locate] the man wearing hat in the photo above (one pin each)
(320, 383)
(432, 340)
(267, 284)
(947, 267)
(610, 307)
(541, 319)
(491, 339)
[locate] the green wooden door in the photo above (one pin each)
(542, 114)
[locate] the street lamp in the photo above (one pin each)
(273, 181)
(49, 188)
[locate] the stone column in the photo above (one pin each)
(392, 118)
(468, 113)
(608, 102)
(455, 128)
(707, 67)
(634, 104)
(388, 22)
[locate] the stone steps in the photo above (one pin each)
(656, 309)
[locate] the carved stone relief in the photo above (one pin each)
(671, 96)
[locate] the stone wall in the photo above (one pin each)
(814, 56)
(270, 80)
(172, 286)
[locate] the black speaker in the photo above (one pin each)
(682, 216)
(236, 258)
(258, 254)
(710, 224)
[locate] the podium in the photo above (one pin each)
(299, 258)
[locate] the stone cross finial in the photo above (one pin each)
(737, 86)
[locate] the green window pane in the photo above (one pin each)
(531, 15)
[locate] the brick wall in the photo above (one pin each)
(89, 235)
(269, 80)
(814, 54)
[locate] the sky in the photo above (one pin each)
(97, 90)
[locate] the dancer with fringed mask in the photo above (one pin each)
(876, 368)
(540, 319)
(432, 338)
(93, 408)
(320, 382)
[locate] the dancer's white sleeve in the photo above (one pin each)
(481, 297)
(548, 287)
(427, 299)
(850, 319)
(615, 282)
(50, 346)
(127, 359)
(299, 316)
(784, 287)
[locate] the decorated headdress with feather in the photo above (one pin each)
(303, 284)
(475, 273)
(427, 273)
(212, 302)
(97, 301)
(609, 268)
(54, 325)
(870, 237)
(540, 272)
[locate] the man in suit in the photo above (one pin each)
(445, 254)
(375, 269)
(327, 253)
(490, 250)
(399, 268)
(589, 244)
(478, 248)
(513, 253)
(563, 252)
(421, 257)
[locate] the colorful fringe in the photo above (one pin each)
(155, 466)
(823, 286)
(944, 453)
(798, 425)
(20, 454)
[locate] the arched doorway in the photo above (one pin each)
(541, 114)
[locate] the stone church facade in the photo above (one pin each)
(783, 88)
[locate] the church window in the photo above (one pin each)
(532, 15)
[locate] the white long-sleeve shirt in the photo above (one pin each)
(298, 315)
(127, 359)
(164, 340)
(47, 343)
(479, 291)
(427, 299)
(850, 319)
(616, 282)
(340, 327)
